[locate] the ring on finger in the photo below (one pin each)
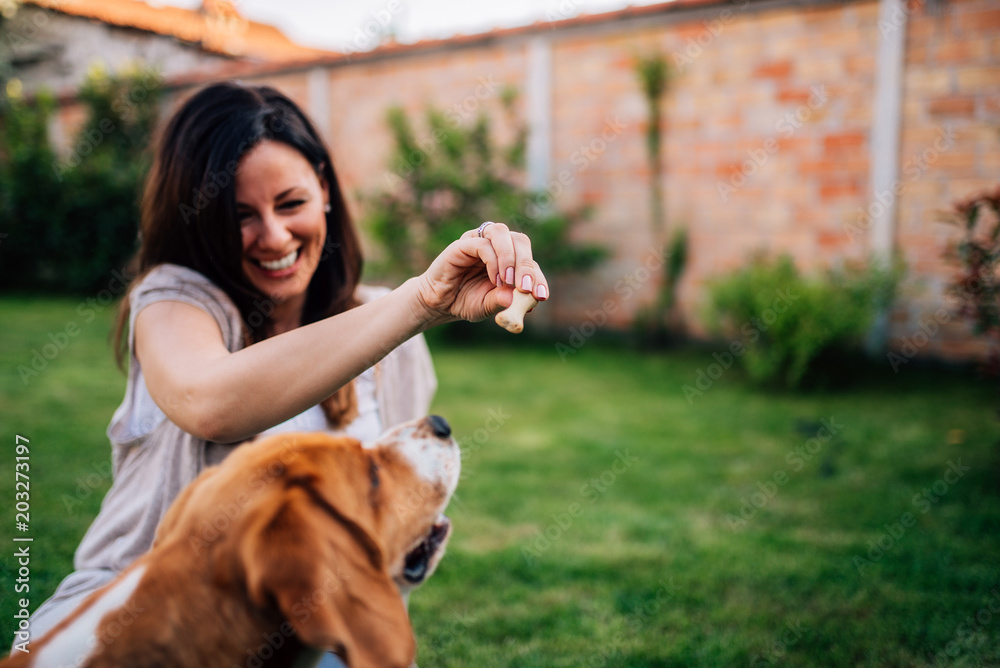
(479, 231)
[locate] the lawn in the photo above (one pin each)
(603, 519)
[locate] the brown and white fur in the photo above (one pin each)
(295, 545)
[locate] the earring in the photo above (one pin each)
(327, 208)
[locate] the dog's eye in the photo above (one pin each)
(373, 473)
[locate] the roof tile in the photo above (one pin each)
(217, 27)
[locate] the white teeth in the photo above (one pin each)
(283, 263)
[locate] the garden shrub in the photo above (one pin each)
(786, 321)
(30, 197)
(449, 182)
(977, 255)
(70, 220)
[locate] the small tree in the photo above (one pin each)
(459, 176)
(652, 324)
(654, 79)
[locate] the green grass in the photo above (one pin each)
(597, 522)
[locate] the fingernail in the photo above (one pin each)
(542, 292)
(526, 284)
(510, 275)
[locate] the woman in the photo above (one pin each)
(246, 316)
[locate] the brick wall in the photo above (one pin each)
(765, 142)
(767, 145)
(950, 150)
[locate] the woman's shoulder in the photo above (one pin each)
(173, 282)
(168, 274)
(167, 280)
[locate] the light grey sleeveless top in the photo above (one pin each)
(153, 459)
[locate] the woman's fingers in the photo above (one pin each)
(540, 287)
(489, 257)
(500, 237)
(528, 276)
(515, 264)
(473, 277)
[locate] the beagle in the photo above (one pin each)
(295, 545)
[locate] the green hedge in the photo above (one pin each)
(71, 219)
(782, 321)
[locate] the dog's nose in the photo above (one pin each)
(439, 426)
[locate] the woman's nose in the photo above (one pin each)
(272, 232)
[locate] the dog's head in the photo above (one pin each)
(329, 533)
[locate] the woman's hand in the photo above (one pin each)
(475, 277)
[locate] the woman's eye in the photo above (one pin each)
(293, 204)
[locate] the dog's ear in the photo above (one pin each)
(326, 575)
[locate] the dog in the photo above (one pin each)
(295, 545)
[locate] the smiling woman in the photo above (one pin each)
(280, 203)
(246, 316)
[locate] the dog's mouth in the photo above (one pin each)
(417, 565)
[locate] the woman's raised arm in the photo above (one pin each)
(227, 397)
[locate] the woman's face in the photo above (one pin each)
(280, 203)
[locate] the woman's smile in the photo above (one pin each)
(280, 264)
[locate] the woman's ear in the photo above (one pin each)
(323, 184)
(326, 193)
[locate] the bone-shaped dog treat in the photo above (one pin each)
(512, 318)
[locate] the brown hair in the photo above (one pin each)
(189, 211)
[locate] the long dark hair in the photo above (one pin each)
(189, 208)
